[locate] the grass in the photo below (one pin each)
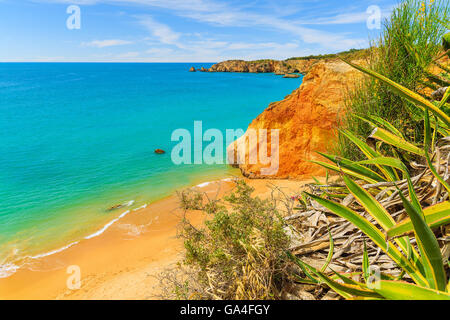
(412, 28)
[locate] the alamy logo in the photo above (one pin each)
(74, 20)
(74, 280)
(374, 19)
(252, 147)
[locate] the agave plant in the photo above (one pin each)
(373, 187)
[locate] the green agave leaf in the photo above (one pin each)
(405, 93)
(435, 216)
(428, 245)
(378, 212)
(427, 156)
(330, 253)
(347, 279)
(374, 234)
(365, 263)
(346, 290)
(355, 167)
(444, 98)
(349, 172)
(397, 290)
(305, 267)
(376, 121)
(389, 138)
(398, 164)
(370, 154)
(372, 206)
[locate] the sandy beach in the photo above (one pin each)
(122, 262)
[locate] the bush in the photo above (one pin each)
(410, 41)
(239, 253)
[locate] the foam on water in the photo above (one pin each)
(7, 270)
(109, 224)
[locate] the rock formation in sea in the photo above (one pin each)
(159, 151)
(307, 120)
(192, 69)
(265, 66)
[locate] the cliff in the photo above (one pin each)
(265, 66)
(292, 65)
(307, 120)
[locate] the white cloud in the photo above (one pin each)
(286, 19)
(106, 43)
(160, 31)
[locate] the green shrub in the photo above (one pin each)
(239, 253)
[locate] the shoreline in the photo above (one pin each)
(140, 226)
(123, 261)
(10, 267)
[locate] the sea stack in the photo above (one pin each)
(192, 69)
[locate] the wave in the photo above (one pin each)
(109, 224)
(140, 208)
(7, 270)
(204, 184)
(54, 251)
(129, 203)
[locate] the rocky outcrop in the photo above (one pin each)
(307, 121)
(293, 76)
(265, 66)
(192, 69)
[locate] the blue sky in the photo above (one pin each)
(183, 30)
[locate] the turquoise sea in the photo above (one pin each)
(78, 138)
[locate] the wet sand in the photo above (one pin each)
(123, 262)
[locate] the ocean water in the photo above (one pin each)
(77, 139)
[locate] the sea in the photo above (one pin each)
(77, 139)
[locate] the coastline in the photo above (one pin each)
(124, 260)
(15, 262)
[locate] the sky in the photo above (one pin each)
(184, 30)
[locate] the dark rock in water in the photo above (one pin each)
(291, 76)
(192, 69)
(439, 93)
(159, 151)
(203, 69)
(117, 206)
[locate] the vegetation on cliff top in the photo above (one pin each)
(349, 53)
(408, 46)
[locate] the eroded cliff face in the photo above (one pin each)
(307, 121)
(265, 66)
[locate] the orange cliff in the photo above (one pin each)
(265, 66)
(307, 121)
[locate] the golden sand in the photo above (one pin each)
(123, 262)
